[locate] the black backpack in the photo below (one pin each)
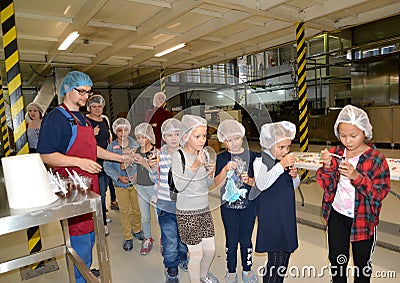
(172, 189)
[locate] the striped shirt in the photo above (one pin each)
(159, 174)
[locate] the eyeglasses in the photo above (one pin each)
(83, 92)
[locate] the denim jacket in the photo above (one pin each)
(113, 168)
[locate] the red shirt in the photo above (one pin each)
(371, 187)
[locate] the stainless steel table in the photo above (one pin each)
(62, 209)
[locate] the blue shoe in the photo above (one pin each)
(139, 235)
(209, 278)
(183, 265)
(127, 245)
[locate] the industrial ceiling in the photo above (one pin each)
(118, 39)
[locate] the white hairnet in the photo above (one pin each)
(158, 94)
(273, 133)
(35, 105)
(74, 79)
(121, 122)
(145, 129)
(189, 122)
(356, 117)
(95, 99)
(228, 128)
(170, 125)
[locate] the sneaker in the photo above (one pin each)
(230, 278)
(108, 220)
(183, 265)
(249, 277)
(127, 245)
(139, 235)
(147, 245)
(114, 205)
(170, 278)
(209, 278)
(107, 232)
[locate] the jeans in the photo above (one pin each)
(239, 224)
(128, 211)
(103, 183)
(111, 187)
(83, 245)
(145, 195)
(174, 251)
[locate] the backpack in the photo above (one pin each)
(172, 189)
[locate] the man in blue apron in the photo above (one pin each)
(66, 140)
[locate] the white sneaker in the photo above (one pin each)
(230, 278)
(107, 232)
(249, 277)
(209, 278)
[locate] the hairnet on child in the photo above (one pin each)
(189, 123)
(95, 99)
(74, 79)
(121, 122)
(273, 133)
(170, 125)
(158, 94)
(229, 128)
(37, 106)
(356, 117)
(145, 129)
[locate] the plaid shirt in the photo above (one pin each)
(371, 187)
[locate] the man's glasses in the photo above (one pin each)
(83, 92)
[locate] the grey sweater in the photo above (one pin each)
(193, 186)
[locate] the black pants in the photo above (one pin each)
(339, 228)
(276, 267)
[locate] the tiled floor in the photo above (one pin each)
(311, 254)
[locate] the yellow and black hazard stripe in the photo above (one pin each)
(7, 16)
(111, 103)
(162, 80)
(3, 120)
(13, 75)
(302, 85)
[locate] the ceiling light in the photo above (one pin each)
(68, 41)
(172, 49)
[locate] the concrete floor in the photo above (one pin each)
(311, 254)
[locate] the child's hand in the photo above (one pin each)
(346, 169)
(326, 158)
(123, 179)
(137, 158)
(231, 165)
(152, 162)
(293, 172)
(288, 160)
(210, 168)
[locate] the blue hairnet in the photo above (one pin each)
(74, 79)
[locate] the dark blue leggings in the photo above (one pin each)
(239, 224)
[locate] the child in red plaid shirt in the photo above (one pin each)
(355, 178)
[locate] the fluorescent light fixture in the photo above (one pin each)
(172, 49)
(68, 41)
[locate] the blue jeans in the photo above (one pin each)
(145, 194)
(174, 251)
(83, 245)
(103, 183)
(239, 224)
